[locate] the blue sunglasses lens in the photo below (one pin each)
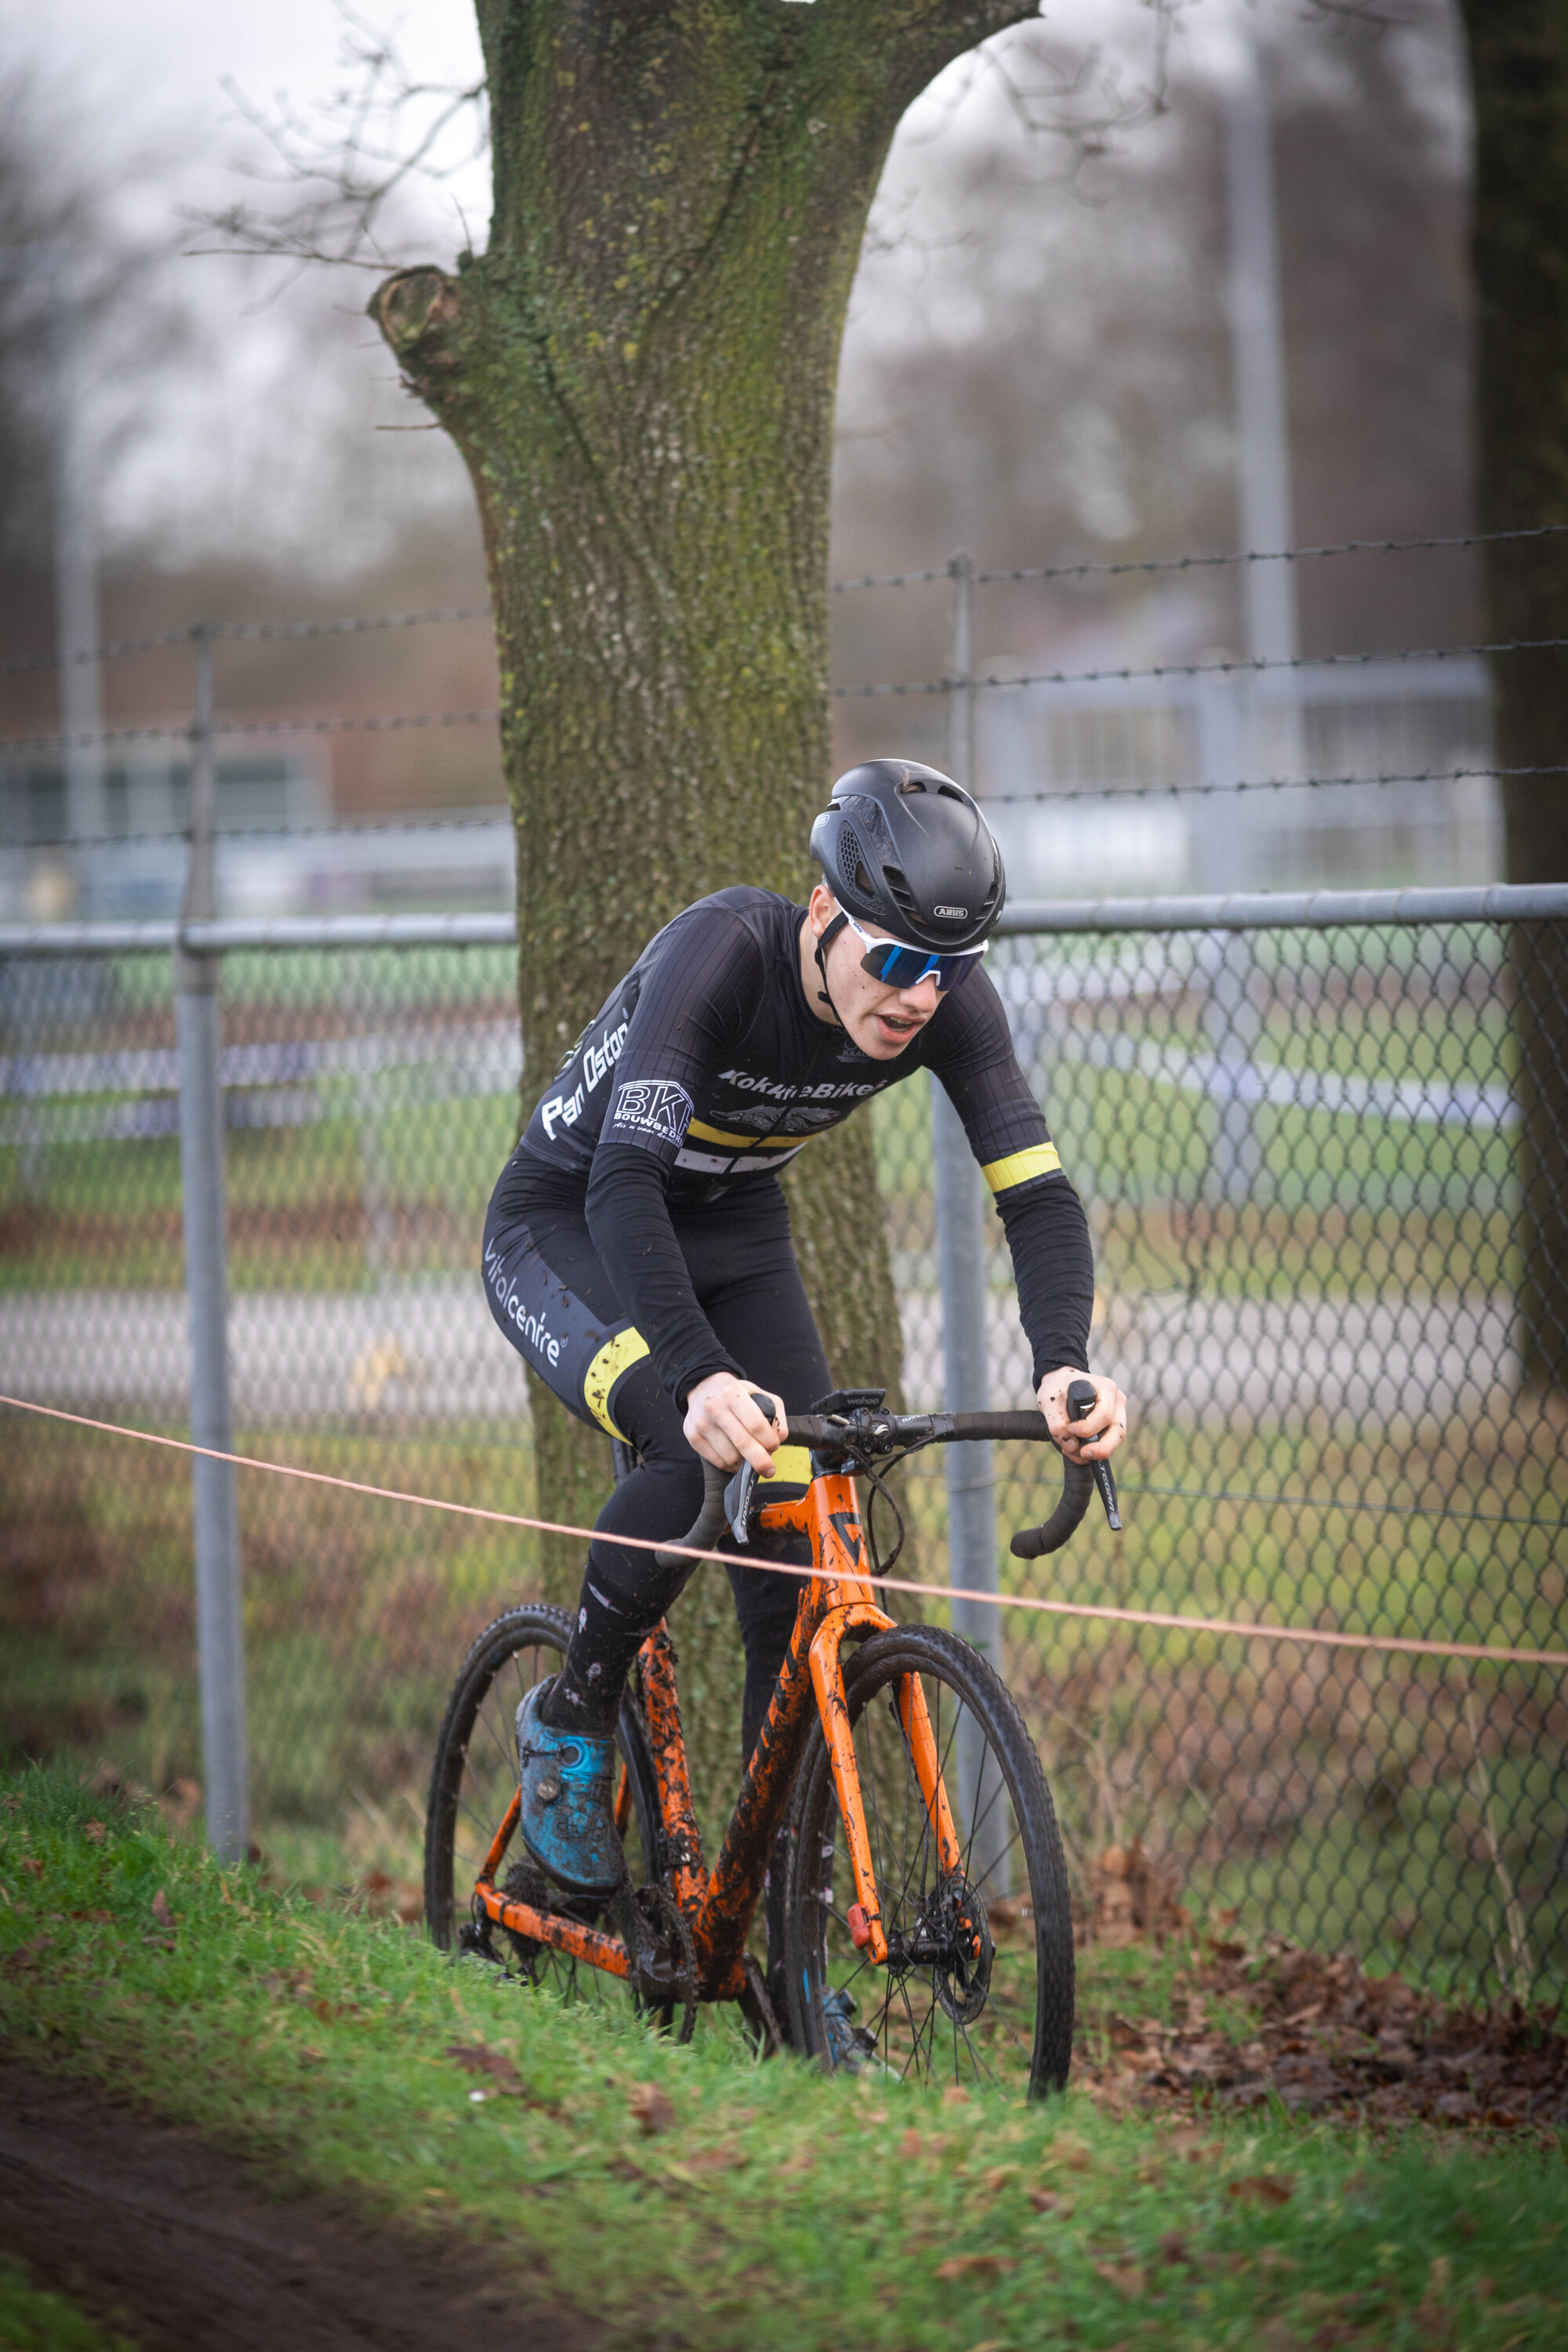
(900, 967)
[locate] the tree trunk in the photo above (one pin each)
(1519, 58)
(640, 373)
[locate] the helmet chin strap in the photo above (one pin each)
(823, 944)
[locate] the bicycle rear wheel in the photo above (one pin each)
(978, 1988)
(473, 1782)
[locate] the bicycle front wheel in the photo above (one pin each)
(978, 1987)
(474, 1781)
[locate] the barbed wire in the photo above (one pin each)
(1174, 791)
(1237, 667)
(353, 624)
(1109, 569)
(1267, 555)
(394, 722)
(411, 820)
(482, 821)
(386, 723)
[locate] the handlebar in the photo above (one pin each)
(867, 1434)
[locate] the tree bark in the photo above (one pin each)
(1519, 58)
(640, 374)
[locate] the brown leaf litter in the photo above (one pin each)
(1320, 2035)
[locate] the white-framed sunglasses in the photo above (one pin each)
(897, 965)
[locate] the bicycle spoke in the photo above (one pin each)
(942, 2010)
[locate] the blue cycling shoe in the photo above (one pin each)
(568, 1821)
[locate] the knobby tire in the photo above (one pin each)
(1009, 2022)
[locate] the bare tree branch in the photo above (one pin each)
(343, 167)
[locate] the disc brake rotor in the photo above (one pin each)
(950, 1940)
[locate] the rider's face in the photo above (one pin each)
(881, 1021)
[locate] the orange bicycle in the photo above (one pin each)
(926, 1918)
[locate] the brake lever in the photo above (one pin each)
(1081, 1399)
(739, 1495)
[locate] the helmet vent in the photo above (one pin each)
(951, 793)
(852, 866)
(898, 890)
(912, 784)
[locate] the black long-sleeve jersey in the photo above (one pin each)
(706, 1070)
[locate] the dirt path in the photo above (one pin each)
(180, 2245)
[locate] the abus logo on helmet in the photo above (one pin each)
(960, 911)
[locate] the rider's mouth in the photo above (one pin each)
(902, 1026)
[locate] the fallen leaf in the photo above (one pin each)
(653, 2107)
(32, 1865)
(1048, 2200)
(1128, 2278)
(93, 1833)
(1173, 2248)
(161, 1911)
(476, 2059)
(959, 2266)
(1071, 2152)
(998, 2177)
(911, 2143)
(955, 2096)
(1263, 2188)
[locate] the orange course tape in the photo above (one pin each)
(1314, 1636)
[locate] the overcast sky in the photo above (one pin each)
(146, 66)
(260, 410)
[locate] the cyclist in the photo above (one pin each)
(638, 1251)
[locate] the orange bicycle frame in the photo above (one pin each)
(835, 1602)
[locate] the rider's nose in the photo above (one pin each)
(922, 997)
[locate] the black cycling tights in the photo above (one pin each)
(552, 1296)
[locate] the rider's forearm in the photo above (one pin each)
(629, 1222)
(1053, 1265)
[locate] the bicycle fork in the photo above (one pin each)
(842, 1548)
(865, 1915)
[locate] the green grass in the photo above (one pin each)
(777, 2209)
(36, 2319)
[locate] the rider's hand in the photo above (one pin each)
(1100, 1432)
(724, 1426)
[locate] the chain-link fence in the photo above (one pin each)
(1318, 1223)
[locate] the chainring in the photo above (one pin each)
(657, 1934)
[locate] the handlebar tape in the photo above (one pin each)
(1079, 1479)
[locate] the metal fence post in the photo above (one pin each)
(1230, 1016)
(219, 1633)
(960, 1270)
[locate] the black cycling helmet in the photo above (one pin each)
(906, 848)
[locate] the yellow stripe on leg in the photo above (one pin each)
(616, 1357)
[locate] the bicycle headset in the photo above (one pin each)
(903, 847)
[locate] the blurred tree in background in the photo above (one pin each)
(1519, 52)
